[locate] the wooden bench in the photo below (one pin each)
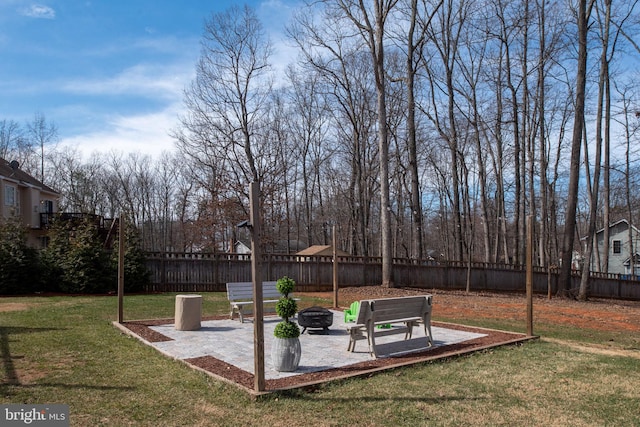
(407, 311)
(240, 294)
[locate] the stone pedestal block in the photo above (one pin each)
(188, 312)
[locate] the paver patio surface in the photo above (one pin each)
(232, 342)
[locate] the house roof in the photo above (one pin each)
(243, 242)
(11, 171)
(636, 259)
(622, 221)
(321, 250)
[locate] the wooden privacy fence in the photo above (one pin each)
(209, 272)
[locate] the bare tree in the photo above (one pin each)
(629, 120)
(81, 183)
(471, 64)
(225, 129)
(404, 123)
(602, 121)
(17, 143)
(308, 124)
(620, 21)
(444, 33)
(328, 47)
(419, 16)
(371, 26)
(564, 280)
(41, 133)
(228, 97)
(11, 140)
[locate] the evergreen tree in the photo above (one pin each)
(136, 273)
(76, 259)
(18, 262)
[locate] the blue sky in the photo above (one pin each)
(109, 73)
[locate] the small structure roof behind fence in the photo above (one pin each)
(321, 250)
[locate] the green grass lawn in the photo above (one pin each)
(65, 350)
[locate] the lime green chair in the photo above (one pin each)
(351, 313)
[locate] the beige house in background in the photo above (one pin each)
(30, 201)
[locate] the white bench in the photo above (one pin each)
(408, 311)
(240, 294)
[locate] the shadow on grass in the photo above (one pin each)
(10, 374)
(11, 378)
(304, 394)
(69, 386)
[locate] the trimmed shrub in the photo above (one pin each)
(286, 307)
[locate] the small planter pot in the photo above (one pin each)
(285, 354)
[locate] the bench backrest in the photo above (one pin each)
(364, 312)
(243, 291)
(389, 309)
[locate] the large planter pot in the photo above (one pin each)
(285, 354)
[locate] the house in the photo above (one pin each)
(620, 248)
(242, 247)
(27, 199)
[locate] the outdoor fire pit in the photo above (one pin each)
(315, 318)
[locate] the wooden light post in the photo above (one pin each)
(121, 269)
(529, 275)
(255, 227)
(335, 269)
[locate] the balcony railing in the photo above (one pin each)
(102, 223)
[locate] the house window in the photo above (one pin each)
(617, 246)
(9, 195)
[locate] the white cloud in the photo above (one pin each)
(39, 11)
(145, 134)
(153, 81)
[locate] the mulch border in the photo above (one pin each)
(246, 381)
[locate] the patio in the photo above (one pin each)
(223, 348)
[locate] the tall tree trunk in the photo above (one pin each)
(528, 152)
(502, 240)
(416, 201)
(373, 34)
(564, 281)
(517, 144)
(626, 103)
(377, 52)
(593, 199)
(545, 213)
(455, 172)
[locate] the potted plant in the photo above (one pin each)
(286, 350)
